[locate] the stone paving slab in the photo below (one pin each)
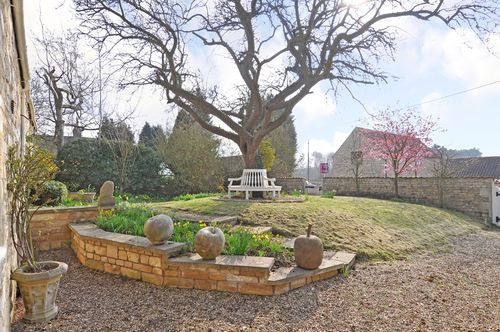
(344, 257)
(291, 273)
(208, 219)
(251, 262)
(258, 230)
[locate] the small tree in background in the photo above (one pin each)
(284, 141)
(401, 138)
(150, 135)
(441, 169)
(27, 174)
(446, 165)
(120, 139)
(191, 154)
(267, 154)
(116, 130)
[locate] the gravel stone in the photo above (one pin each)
(454, 291)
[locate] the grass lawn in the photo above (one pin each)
(375, 229)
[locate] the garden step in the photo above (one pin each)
(333, 262)
(257, 230)
(289, 243)
(248, 262)
(208, 219)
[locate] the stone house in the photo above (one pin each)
(16, 120)
(350, 154)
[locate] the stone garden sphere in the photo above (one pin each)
(159, 229)
(209, 242)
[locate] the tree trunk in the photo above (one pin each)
(59, 134)
(249, 152)
(396, 190)
(356, 178)
(249, 156)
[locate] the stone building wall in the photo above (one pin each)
(342, 166)
(469, 195)
(14, 115)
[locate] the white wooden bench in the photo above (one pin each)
(253, 180)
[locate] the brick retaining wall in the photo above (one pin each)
(49, 226)
(135, 257)
(469, 195)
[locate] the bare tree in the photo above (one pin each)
(123, 151)
(62, 86)
(70, 88)
(278, 48)
(357, 155)
(445, 166)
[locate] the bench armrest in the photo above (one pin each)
(270, 180)
(234, 179)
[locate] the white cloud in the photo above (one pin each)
(459, 54)
(431, 107)
(314, 108)
(325, 146)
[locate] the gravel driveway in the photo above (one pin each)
(455, 291)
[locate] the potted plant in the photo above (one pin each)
(87, 195)
(38, 281)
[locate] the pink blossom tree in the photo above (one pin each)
(401, 138)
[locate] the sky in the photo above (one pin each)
(431, 63)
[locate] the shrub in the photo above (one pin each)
(125, 220)
(90, 162)
(295, 193)
(85, 162)
(329, 194)
(53, 193)
(130, 220)
(188, 197)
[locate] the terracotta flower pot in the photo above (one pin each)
(39, 290)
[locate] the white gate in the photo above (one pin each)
(495, 203)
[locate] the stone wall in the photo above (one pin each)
(135, 257)
(469, 195)
(291, 184)
(49, 226)
(14, 112)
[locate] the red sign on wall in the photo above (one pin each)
(323, 168)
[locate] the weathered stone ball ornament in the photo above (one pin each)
(209, 242)
(308, 250)
(159, 229)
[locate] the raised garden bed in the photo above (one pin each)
(239, 240)
(134, 257)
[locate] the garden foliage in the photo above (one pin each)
(90, 162)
